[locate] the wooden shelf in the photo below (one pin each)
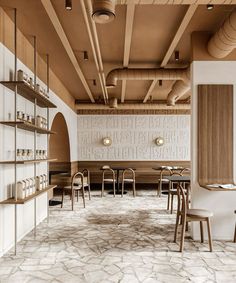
(22, 201)
(216, 188)
(26, 126)
(29, 93)
(26, 161)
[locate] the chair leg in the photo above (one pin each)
(114, 188)
(122, 189)
(134, 189)
(172, 200)
(235, 234)
(77, 195)
(89, 192)
(201, 231)
(72, 198)
(102, 192)
(182, 234)
(83, 196)
(62, 197)
(209, 234)
(168, 201)
(176, 227)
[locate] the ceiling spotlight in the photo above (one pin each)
(94, 82)
(210, 7)
(160, 82)
(68, 5)
(85, 55)
(103, 11)
(176, 55)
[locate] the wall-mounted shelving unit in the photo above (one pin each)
(38, 100)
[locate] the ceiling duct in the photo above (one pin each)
(103, 11)
(223, 42)
(181, 76)
(113, 103)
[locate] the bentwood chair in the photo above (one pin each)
(172, 192)
(108, 176)
(188, 215)
(235, 230)
(173, 189)
(164, 170)
(77, 184)
(130, 179)
(86, 175)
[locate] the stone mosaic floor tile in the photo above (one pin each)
(115, 240)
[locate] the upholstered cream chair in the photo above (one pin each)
(188, 215)
(130, 179)
(108, 176)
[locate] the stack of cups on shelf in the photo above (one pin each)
(24, 154)
(24, 117)
(41, 154)
(27, 187)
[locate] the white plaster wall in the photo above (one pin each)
(133, 137)
(221, 203)
(24, 140)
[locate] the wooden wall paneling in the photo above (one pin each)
(215, 134)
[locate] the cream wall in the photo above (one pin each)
(24, 140)
(133, 137)
(221, 203)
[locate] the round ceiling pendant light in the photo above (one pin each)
(103, 11)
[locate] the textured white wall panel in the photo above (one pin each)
(133, 137)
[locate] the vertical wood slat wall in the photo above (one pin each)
(215, 134)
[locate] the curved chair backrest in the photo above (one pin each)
(165, 169)
(182, 204)
(77, 179)
(185, 170)
(108, 170)
(129, 170)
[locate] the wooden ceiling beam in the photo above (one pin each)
(183, 25)
(65, 42)
(187, 18)
(128, 36)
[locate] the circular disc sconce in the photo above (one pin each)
(107, 141)
(159, 141)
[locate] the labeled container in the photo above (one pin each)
(22, 76)
(20, 187)
(19, 115)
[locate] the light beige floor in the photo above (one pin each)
(115, 240)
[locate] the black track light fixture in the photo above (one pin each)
(160, 82)
(94, 82)
(176, 55)
(210, 7)
(68, 5)
(85, 55)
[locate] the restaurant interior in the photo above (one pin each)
(117, 141)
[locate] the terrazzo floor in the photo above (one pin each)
(115, 240)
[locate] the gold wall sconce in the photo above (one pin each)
(107, 141)
(159, 141)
